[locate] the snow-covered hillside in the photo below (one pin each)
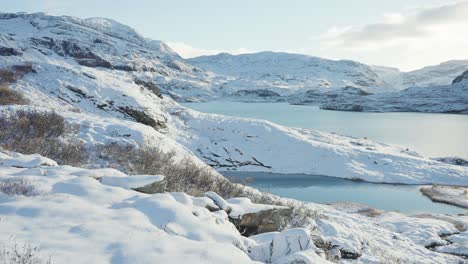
(452, 98)
(436, 75)
(285, 73)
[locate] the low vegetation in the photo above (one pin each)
(18, 186)
(11, 97)
(25, 254)
(185, 175)
(32, 132)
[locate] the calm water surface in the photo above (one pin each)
(432, 135)
(320, 189)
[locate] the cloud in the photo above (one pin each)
(406, 40)
(187, 51)
(397, 28)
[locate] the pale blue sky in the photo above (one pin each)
(210, 26)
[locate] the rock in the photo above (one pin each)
(73, 48)
(6, 51)
(264, 221)
(256, 93)
(142, 117)
(150, 86)
(460, 78)
(141, 183)
(453, 160)
(155, 187)
(219, 201)
(270, 247)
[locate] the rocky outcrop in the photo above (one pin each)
(155, 187)
(7, 51)
(463, 76)
(142, 117)
(72, 48)
(256, 93)
(264, 221)
(453, 160)
(150, 86)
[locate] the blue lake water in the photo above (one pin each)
(432, 135)
(320, 189)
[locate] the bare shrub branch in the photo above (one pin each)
(19, 186)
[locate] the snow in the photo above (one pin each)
(75, 218)
(241, 206)
(18, 160)
(285, 73)
(102, 224)
(229, 143)
(224, 142)
(218, 200)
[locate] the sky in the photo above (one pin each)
(407, 34)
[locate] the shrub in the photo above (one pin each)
(185, 175)
(25, 254)
(11, 97)
(15, 73)
(32, 132)
(18, 186)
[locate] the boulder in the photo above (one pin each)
(282, 247)
(263, 221)
(150, 86)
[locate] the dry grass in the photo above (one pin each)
(11, 97)
(31, 132)
(19, 186)
(184, 175)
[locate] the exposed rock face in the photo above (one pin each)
(262, 221)
(155, 187)
(460, 78)
(453, 160)
(6, 51)
(256, 93)
(144, 118)
(151, 86)
(73, 48)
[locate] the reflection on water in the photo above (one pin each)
(320, 189)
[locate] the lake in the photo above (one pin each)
(320, 189)
(432, 135)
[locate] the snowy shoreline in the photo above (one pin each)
(454, 195)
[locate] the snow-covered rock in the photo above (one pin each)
(276, 247)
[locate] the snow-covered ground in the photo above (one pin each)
(104, 223)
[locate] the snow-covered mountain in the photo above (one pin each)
(452, 98)
(113, 85)
(436, 75)
(285, 73)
